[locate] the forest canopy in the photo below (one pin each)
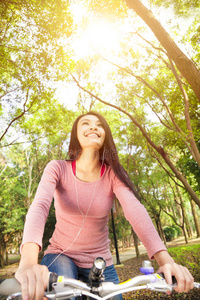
(137, 63)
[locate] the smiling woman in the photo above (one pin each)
(90, 133)
(83, 188)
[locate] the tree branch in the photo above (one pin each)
(19, 116)
(159, 149)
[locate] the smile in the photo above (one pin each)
(92, 134)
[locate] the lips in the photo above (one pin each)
(92, 134)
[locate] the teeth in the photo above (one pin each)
(93, 134)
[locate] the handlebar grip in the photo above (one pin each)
(9, 286)
(174, 281)
(52, 279)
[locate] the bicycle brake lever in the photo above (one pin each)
(174, 281)
(160, 286)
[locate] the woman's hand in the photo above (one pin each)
(32, 276)
(169, 268)
(185, 281)
(33, 280)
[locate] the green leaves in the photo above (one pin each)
(31, 53)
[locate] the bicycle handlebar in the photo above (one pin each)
(67, 287)
(9, 286)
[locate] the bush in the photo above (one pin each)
(178, 230)
(188, 256)
(170, 233)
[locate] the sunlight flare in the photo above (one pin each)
(98, 36)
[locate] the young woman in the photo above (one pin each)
(83, 188)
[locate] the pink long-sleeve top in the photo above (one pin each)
(82, 210)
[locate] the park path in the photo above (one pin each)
(130, 252)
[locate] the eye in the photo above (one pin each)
(85, 123)
(100, 125)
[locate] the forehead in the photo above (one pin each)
(91, 118)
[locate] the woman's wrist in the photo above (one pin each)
(163, 257)
(29, 255)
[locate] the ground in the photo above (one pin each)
(127, 270)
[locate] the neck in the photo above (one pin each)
(89, 160)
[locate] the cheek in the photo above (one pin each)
(104, 136)
(104, 139)
(79, 135)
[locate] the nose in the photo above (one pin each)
(93, 127)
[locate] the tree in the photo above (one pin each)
(186, 66)
(159, 149)
(132, 97)
(12, 210)
(31, 55)
(46, 135)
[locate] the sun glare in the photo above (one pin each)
(102, 35)
(99, 37)
(78, 11)
(93, 34)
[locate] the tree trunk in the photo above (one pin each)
(185, 234)
(194, 148)
(135, 238)
(160, 230)
(1, 254)
(183, 63)
(7, 258)
(187, 224)
(115, 238)
(30, 170)
(178, 174)
(196, 220)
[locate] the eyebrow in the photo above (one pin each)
(90, 120)
(85, 120)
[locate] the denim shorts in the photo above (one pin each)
(64, 266)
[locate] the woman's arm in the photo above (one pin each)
(141, 222)
(169, 268)
(32, 276)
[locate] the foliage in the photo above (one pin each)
(31, 56)
(178, 230)
(189, 257)
(170, 233)
(191, 169)
(181, 7)
(122, 228)
(49, 227)
(12, 209)
(36, 52)
(22, 167)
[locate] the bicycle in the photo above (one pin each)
(65, 288)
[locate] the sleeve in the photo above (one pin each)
(39, 209)
(139, 219)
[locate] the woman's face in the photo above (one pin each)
(90, 132)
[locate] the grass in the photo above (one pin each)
(188, 256)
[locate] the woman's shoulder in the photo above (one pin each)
(60, 165)
(109, 173)
(113, 179)
(57, 169)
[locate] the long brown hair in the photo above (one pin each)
(108, 152)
